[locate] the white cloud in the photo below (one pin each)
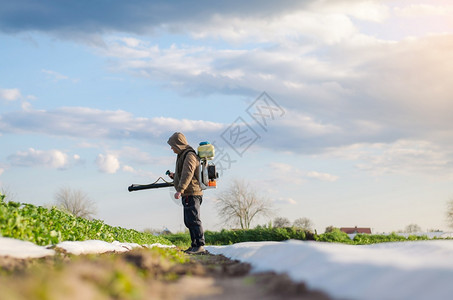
(144, 174)
(282, 167)
(324, 27)
(345, 81)
(285, 201)
(132, 42)
(306, 125)
(408, 157)
(412, 80)
(351, 94)
(322, 176)
(10, 94)
(95, 123)
(26, 105)
(2, 170)
(186, 125)
(285, 70)
(137, 156)
(422, 10)
(361, 90)
(353, 73)
(87, 145)
(284, 170)
(107, 163)
(32, 157)
(55, 75)
(319, 21)
(374, 11)
(400, 157)
(328, 90)
(129, 169)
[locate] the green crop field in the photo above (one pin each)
(260, 233)
(49, 226)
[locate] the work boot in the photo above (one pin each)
(197, 250)
(188, 250)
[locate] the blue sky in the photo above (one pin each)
(361, 133)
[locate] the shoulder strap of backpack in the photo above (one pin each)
(187, 152)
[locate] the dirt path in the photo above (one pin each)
(142, 274)
(233, 280)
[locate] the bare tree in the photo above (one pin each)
(330, 229)
(412, 228)
(450, 213)
(75, 202)
(281, 222)
(240, 204)
(7, 194)
(303, 223)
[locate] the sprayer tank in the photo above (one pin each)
(206, 150)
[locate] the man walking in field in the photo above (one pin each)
(188, 189)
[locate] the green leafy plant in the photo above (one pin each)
(228, 237)
(44, 226)
(264, 233)
(334, 236)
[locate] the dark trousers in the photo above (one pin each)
(192, 219)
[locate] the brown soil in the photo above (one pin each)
(142, 274)
(234, 281)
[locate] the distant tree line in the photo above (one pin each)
(301, 223)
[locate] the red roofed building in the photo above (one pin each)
(354, 230)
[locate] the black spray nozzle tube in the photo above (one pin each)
(137, 187)
(154, 185)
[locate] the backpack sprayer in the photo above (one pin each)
(207, 174)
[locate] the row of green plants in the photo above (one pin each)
(50, 226)
(227, 237)
(337, 236)
(47, 226)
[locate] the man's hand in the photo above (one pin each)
(171, 174)
(177, 195)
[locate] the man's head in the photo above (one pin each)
(178, 142)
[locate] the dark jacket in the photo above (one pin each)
(187, 166)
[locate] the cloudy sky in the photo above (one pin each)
(339, 111)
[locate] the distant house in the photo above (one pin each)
(355, 230)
